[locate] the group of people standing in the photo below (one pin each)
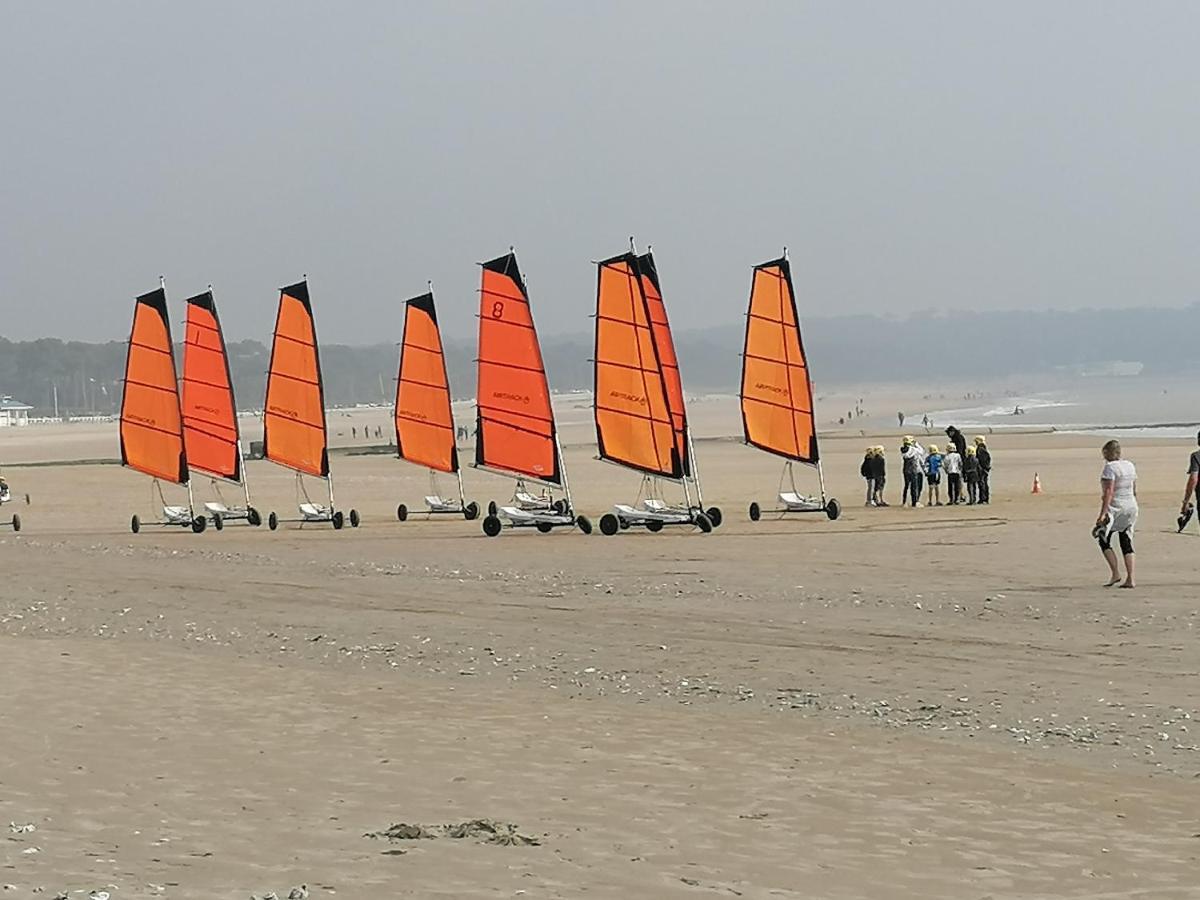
(960, 465)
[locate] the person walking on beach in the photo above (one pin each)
(971, 476)
(933, 474)
(1191, 493)
(879, 472)
(952, 464)
(1118, 512)
(866, 470)
(985, 469)
(900, 416)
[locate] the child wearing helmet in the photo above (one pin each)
(985, 468)
(952, 464)
(879, 473)
(971, 476)
(865, 470)
(933, 472)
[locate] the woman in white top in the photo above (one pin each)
(1118, 511)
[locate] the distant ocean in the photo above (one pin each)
(1126, 406)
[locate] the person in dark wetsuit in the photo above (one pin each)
(985, 469)
(866, 471)
(971, 476)
(958, 440)
(879, 471)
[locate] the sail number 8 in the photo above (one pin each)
(497, 310)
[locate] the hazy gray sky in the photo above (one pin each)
(911, 155)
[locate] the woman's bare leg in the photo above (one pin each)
(1128, 583)
(1110, 556)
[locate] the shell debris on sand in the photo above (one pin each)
(485, 831)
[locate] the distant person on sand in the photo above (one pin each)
(900, 416)
(933, 473)
(879, 471)
(1191, 493)
(1118, 512)
(971, 476)
(985, 469)
(952, 463)
(866, 470)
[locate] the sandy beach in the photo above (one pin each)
(903, 703)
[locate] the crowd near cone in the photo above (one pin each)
(1037, 484)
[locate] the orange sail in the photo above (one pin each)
(668, 362)
(424, 423)
(516, 430)
(151, 424)
(294, 415)
(210, 426)
(633, 420)
(777, 403)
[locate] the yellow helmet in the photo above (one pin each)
(870, 450)
(933, 448)
(879, 449)
(909, 439)
(970, 451)
(979, 439)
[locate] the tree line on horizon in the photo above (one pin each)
(958, 348)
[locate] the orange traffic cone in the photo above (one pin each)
(1037, 484)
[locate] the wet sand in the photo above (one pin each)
(902, 703)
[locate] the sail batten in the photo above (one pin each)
(151, 427)
(515, 430)
(294, 429)
(210, 425)
(632, 415)
(776, 392)
(424, 420)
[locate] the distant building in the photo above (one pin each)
(13, 413)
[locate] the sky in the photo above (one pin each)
(912, 157)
